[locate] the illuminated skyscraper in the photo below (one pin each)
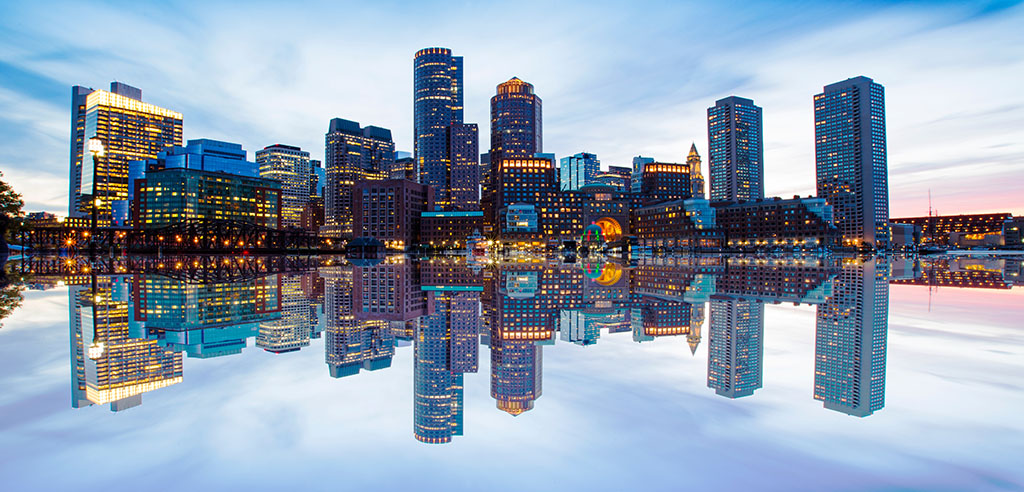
(516, 129)
(352, 154)
(109, 130)
(851, 338)
(851, 160)
(696, 178)
(735, 150)
(736, 347)
(444, 148)
(578, 170)
(289, 166)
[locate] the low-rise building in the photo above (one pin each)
(448, 230)
(776, 223)
(677, 224)
(174, 195)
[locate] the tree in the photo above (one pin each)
(10, 211)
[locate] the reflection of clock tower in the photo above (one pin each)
(696, 320)
(696, 178)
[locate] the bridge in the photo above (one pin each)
(189, 268)
(206, 235)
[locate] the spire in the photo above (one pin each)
(693, 149)
(693, 341)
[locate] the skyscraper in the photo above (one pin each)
(113, 128)
(736, 347)
(578, 170)
(289, 166)
(850, 340)
(735, 150)
(696, 178)
(443, 146)
(352, 153)
(850, 159)
(516, 130)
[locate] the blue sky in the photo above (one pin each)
(617, 79)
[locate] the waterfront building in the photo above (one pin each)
(696, 178)
(289, 166)
(390, 210)
(664, 181)
(776, 223)
(109, 130)
(851, 159)
(449, 230)
(171, 196)
(352, 154)
(523, 182)
(577, 171)
(936, 229)
(1013, 232)
(735, 346)
(735, 150)
(677, 224)
(851, 338)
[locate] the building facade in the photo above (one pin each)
(735, 150)
(291, 167)
(936, 229)
(169, 196)
(389, 210)
(462, 187)
(736, 347)
(776, 223)
(352, 154)
(851, 164)
(664, 181)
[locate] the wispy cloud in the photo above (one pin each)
(618, 80)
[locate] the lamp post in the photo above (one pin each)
(96, 149)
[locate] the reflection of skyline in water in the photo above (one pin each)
(146, 322)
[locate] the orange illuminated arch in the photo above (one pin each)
(610, 229)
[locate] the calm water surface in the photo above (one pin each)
(673, 373)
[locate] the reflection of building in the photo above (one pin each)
(850, 340)
(850, 159)
(110, 363)
(352, 154)
(965, 273)
(351, 345)
(516, 373)
(735, 347)
(204, 320)
(116, 128)
(446, 347)
(388, 291)
(735, 150)
(292, 330)
(289, 166)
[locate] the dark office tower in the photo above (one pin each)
(736, 347)
(462, 191)
(352, 154)
(664, 181)
(850, 340)
(735, 150)
(696, 178)
(516, 370)
(578, 170)
(515, 122)
(850, 159)
(437, 104)
(109, 130)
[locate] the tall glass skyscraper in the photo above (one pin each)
(109, 130)
(352, 154)
(851, 166)
(289, 166)
(443, 144)
(735, 150)
(578, 170)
